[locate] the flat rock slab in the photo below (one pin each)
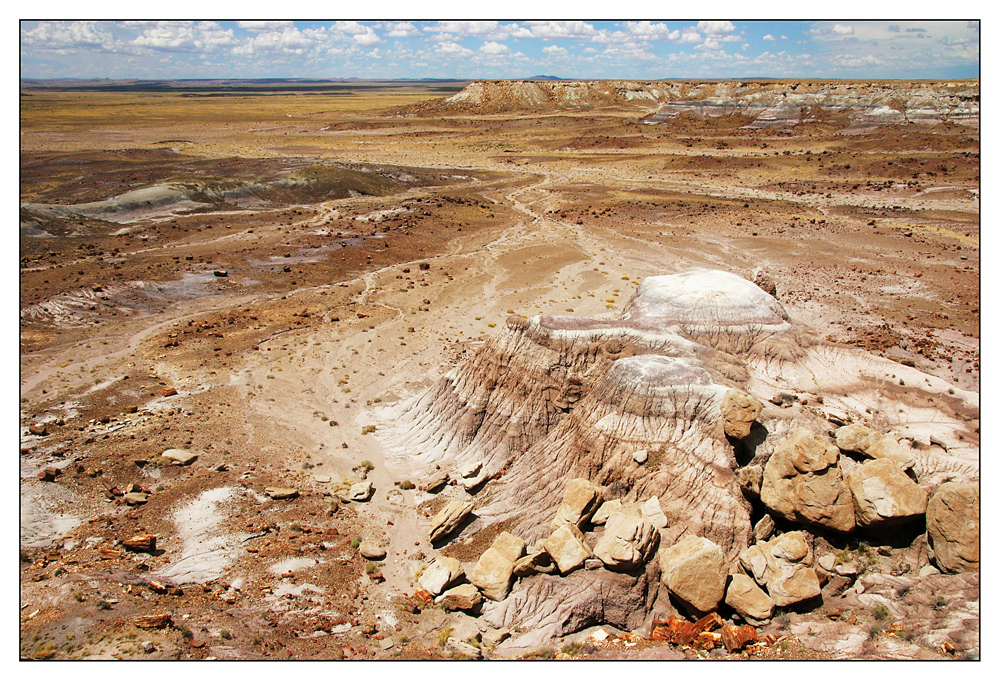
(281, 492)
(371, 551)
(180, 457)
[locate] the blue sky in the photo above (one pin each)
(717, 48)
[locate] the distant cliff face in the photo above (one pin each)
(765, 103)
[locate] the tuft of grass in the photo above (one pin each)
(880, 612)
(45, 651)
(371, 569)
(225, 635)
(443, 636)
(406, 484)
(355, 543)
(572, 648)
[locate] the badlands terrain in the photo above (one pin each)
(499, 370)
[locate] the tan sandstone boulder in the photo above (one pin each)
(739, 411)
(784, 566)
(440, 574)
(953, 527)
(494, 571)
(535, 562)
(580, 501)
(884, 494)
(873, 444)
(791, 585)
(749, 600)
(803, 483)
(602, 514)
(695, 571)
(567, 547)
(461, 597)
(448, 518)
(628, 541)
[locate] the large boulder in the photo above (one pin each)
(580, 501)
(784, 566)
(953, 527)
(536, 562)
(461, 597)
(449, 518)
(884, 494)
(567, 548)
(494, 571)
(790, 585)
(695, 570)
(602, 514)
(628, 541)
(440, 574)
(739, 411)
(360, 491)
(749, 600)
(873, 444)
(803, 483)
(653, 513)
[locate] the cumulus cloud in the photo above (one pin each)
(835, 31)
(648, 30)
(483, 30)
(553, 30)
(185, 36)
(452, 49)
(716, 28)
(264, 25)
(769, 37)
(492, 47)
(894, 28)
(555, 51)
(69, 35)
(401, 29)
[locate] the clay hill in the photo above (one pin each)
(763, 103)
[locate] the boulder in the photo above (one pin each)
(136, 498)
(803, 483)
(652, 512)
(763, 560)
(953, 527)
(856, 438)
(750, 479)
(764, 282)
(749, 600)
(494, 571)
(791, 585)
(440, 574)
(281, 492)
(695, 571)
(739, 411)
(536, 562)
(884, 494)
(180, 457)
(628, 541)
(449, 518)
(567, 547)
(371, 551)
(472, 483)
(607, 508)
(360, 491)
(580, 501)
(461, 650)
(873, 444)
(435, 481)
(461, 597)
(640, 456)
(470, 470)
(764, 528)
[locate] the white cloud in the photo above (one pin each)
(648, 30)
(491, 47)
(401, 29)
(689, 37)
(69, 35)
(264, 25)
(784, 37)
(484, 30)
(769, 37)
(553, 30)
(716, 28)
(834, 31)
(451, 49)
(555, 50)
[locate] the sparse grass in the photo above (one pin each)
(880, 612)
(225, 635)
(371, 569)
(355, 543)
(572, 649)
(443, 636)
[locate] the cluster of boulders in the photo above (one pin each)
(807, 480)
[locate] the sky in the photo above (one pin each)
(480, 49)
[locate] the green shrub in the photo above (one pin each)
(880, 612)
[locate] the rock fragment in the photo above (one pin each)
(803, 483)
(652, 512)
(567, 548)
(606, 509)
(360, 491)
(494, 570)
(281, 492)
(749, 600)
(953, 527)
(441, 574)
(143, 543)
(536, 562)
(449, 518)
(739, 412)
(628, 541)
(461, 597)
(371, 551)
(884, 494)
(580, 501)
(180, 457)
(695, 570)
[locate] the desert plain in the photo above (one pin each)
(324, 294)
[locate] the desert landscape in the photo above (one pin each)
(495, 370)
